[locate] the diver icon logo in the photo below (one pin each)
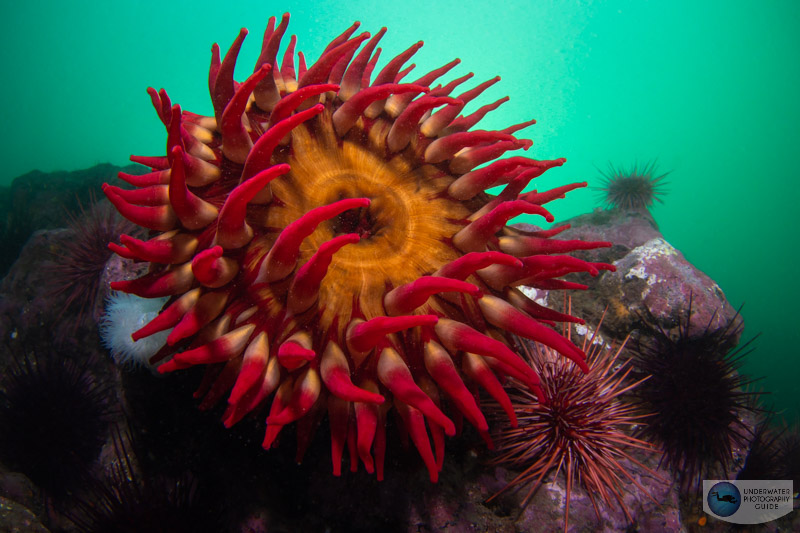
(724, 499)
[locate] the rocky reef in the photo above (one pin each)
(257, 491)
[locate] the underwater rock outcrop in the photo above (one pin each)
(42, 200)
(405, 500)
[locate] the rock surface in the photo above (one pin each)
(39, 200)
(15, 518)
(653, 280)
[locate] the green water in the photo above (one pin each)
(708, 88)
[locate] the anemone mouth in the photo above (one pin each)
(407, 201)
(409, 212)
(327, 245)
(361, 221)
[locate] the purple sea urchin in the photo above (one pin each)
(54, 417)
(788, 457)
(633, 188)
(127, 501)
(78, 267)
(696, 395)
(763, 455)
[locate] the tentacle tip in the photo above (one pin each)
(167, 367)
(172, 341)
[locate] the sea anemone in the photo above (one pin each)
(632, 188)
(78, 267)
(583, 432)
(125, 314)
(696, 395)
(326, 239)
(54, 416)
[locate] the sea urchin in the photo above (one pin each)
(584, 431)
(78, 267)
(54, 417)
(696, 396)
(326, 239)
(127, 500)
(634, 188)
